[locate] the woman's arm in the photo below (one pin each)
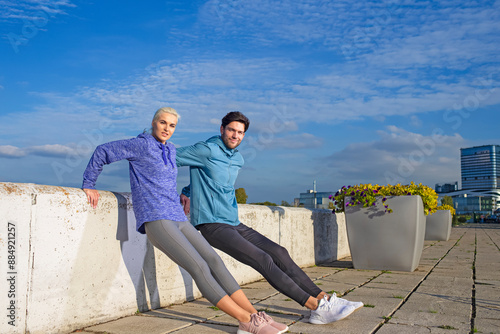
(103, 155)
(92, 196)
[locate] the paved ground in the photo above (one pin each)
(455, 289)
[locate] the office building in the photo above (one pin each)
(480, 191)
(480, 166)
(446, 187)
(314, 200)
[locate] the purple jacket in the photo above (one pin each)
(153, 175)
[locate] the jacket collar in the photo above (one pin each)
(218, 140)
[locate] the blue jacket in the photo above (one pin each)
(153, 175)
(213, 172)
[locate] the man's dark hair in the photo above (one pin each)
(235, 116)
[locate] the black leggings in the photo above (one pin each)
(267, 257)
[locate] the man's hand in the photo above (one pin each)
(185, 201)
(92, 196)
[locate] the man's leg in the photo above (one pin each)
(234, 242)
(282, 259)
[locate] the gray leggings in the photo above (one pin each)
(184, 245)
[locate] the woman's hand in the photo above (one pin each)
(92, 196)
(185, 201)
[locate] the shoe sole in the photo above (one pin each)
(357, 308)
(319, 322)
(245, 332)
(283, 331)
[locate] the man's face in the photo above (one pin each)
(232, 134)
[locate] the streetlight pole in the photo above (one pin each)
(314, 194)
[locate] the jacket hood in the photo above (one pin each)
(165, 149)
(218, 140)
(148, 136)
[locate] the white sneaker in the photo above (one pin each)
(340, 301)
(327, 312)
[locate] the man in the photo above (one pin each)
(214, 166)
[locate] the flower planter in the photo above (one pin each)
(387, 241)
(438, 226)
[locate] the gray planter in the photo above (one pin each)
(387, 241)
(438, 226)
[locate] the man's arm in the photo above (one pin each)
(185, 201)
(194, 155)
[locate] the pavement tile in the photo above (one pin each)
(258, 290)
(487, 301)
(354, 277)
(356, 323)
(282, 304)
(415, 329)
(420, 302)
(379, 303)
(455, 271)
(188, 312)
(230, 321)
(461, 324)
(316, 272)
(395, 280)
(446, 285)
(207, 328)
(338, 287)
(140, 324)
(487, 326)
(398, 329)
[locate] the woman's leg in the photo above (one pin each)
(241, 299)
(217, 267)
(166, 236)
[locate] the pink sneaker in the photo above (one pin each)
(256, 325)
(279, 326)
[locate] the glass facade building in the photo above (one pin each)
(446, 187)
(475, 204)
(308, 199)
(480, 166)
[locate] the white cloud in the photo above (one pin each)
(268, 140)
(398, 156)
(260, 88)
(9, 151)
(410, 64)
(33, 10)
(56, 151)
(415, 32)
(415, 121)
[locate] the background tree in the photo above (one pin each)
(285, 203)
(241, 196)
(267, 203)
(447, 200)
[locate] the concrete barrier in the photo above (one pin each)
(66, 265)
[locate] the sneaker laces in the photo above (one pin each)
(257, 320)
(333, 300)
(326, 304)
(264, 316)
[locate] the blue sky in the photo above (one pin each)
(336, 91)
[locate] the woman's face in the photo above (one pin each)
(164, 127)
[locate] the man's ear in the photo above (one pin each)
(221, 129)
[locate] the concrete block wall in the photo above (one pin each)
(67, 265)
